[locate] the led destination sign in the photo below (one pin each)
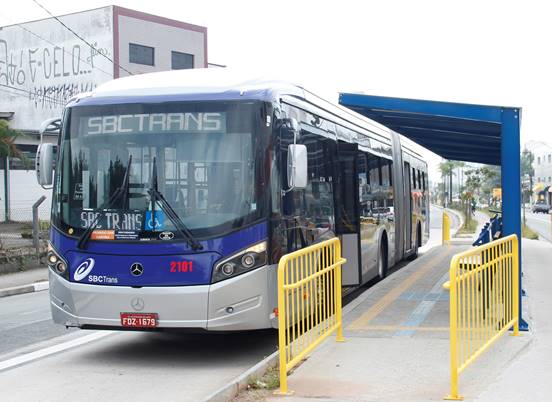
(154, 123)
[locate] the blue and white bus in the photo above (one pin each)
(176, 193)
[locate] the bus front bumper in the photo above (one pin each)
(245, 302)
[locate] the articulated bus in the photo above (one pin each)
(175, 194)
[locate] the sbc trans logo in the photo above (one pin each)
(84, 269)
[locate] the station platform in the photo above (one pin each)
(397, 341)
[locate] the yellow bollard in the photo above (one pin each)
(446, 228)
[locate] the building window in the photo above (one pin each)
(549, 179)
(181, 61)
(549, 158)
(140, 54)
(538, 160)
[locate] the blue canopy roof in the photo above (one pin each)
(456, 131)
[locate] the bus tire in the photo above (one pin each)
(382, 258)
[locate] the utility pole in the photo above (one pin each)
(6, 189)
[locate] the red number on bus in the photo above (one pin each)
(181, 266)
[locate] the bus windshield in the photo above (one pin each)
(205, 169)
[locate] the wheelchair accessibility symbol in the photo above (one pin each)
(159, 220)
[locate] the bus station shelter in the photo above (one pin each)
(458, 131)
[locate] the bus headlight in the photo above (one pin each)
(244, 261)
(56, 263)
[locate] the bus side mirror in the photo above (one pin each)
(297, 166)
(44, 164)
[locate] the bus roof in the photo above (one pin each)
(196, 84)
(215, 84)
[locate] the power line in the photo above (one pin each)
(32, 94)
(80, 37)
(53, 44)
(65, 51)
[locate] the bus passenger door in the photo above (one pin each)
(407, 181)
(347, 211)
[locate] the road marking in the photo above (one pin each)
(29, 357)
(393, 294)
(42, 310)
(395, 328)
(421, 312)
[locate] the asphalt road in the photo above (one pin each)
(42, 361)
(25, 320)
(541, 223)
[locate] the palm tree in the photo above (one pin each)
(447, 169)
(460, 165)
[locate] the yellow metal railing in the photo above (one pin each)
(309, 302)
(446, 228)
(484, 302)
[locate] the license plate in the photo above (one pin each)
(139, 320)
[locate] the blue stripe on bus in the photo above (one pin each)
(162, 261)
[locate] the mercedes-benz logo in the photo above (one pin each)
(137, 304)
(136, 269)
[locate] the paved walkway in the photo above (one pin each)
(23, 278)
(397, 345)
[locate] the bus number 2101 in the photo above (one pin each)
(182, 266)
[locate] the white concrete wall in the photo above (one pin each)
(543, 171)
(24, 193)
(164, 41)
(49, 71)
(52, 73)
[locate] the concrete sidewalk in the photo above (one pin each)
(397, 342)
(23, 282)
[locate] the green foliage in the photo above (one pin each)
(270, 380)
(529, 233)
(527, 159)
(8, 148)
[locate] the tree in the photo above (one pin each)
(447, 170)
(460, 165)
(8, 148)
(527, 169)
(490, 178)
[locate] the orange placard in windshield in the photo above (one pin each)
(103, 235)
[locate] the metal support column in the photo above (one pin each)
(6, 189)
(511, 186)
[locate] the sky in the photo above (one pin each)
(486, 52)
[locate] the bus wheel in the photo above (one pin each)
(382, 260)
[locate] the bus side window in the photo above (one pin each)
(363, 186)
(317, 198)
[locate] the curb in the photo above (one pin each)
(19, 290)
(460, 220)
(232, 389)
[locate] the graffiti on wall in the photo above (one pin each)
(52, 74)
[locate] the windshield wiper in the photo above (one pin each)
(156, 196)
(121, 191)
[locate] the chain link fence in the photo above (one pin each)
(19, 245)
